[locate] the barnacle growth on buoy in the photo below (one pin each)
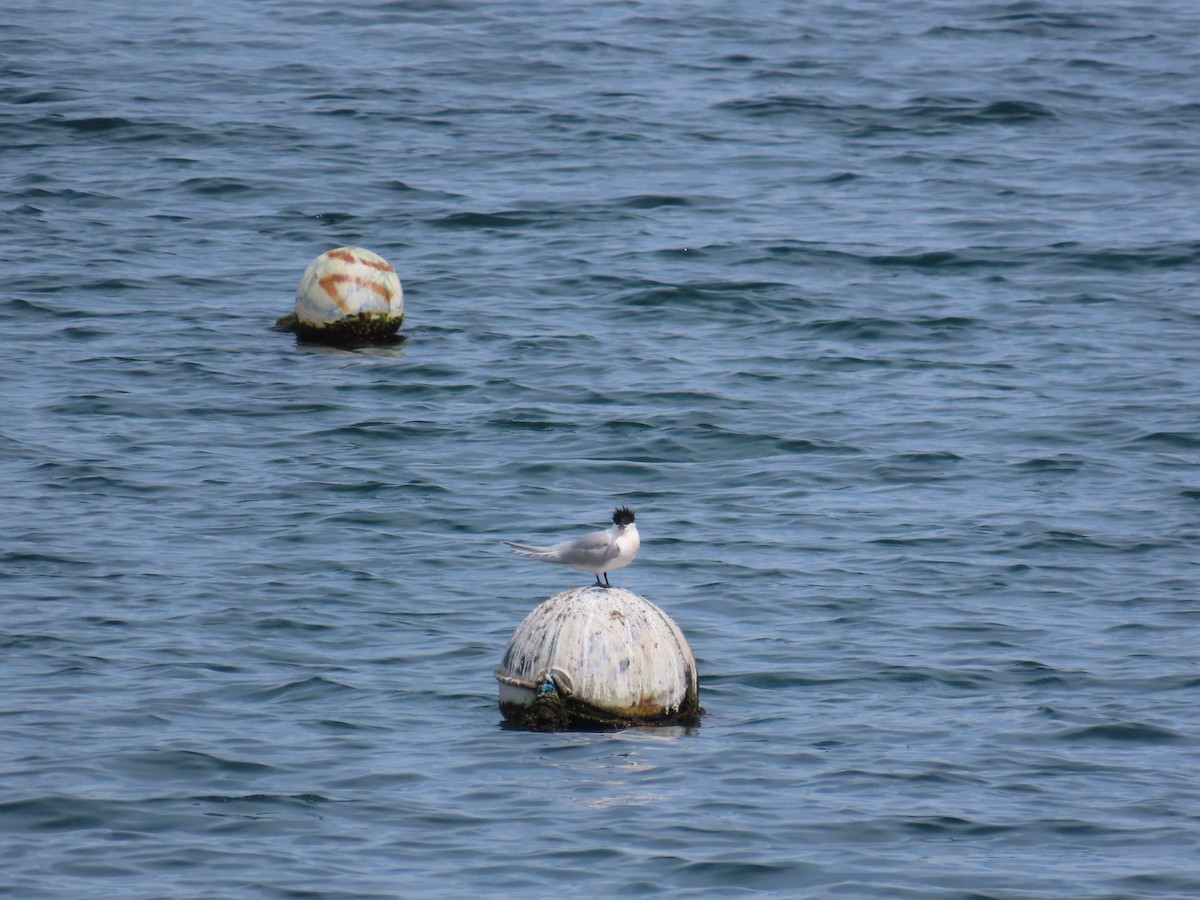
(596, 658)
(347, 295)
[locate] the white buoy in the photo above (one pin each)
(347, 294)
(598, 657)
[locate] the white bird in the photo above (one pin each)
(599, 552)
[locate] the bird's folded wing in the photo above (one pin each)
(592, 548)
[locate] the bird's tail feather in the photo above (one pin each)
(526, 550)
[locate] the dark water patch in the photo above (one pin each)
(1015, 111)
(969, 111)
(392, 432)
(90, 124)
(217, 187)
(52, 813)
(1167, 440)
(1119, 732)
(933, 260)
(32, 96)
(653, 201)
(1063, 463)
(334, 218)
(488, 221)
(547, 424)
(122, 130)
(43, 561)
(278, 623)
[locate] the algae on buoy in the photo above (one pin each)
(598, 657)
(347, 295)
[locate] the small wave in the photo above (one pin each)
(305, 689)
(776, 105)
(264, 800)
(717, 296)
(1036, 674)
(19, 307)
(928, 676)
(1039, 23)
(1165, 255)
(926, 466)
(189, 763)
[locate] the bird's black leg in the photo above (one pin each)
(606, 584)
(598, 584)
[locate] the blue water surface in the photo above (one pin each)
(883, 317)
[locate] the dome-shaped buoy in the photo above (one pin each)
(347, 295)
(598, 657)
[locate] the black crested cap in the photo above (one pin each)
(623, 516)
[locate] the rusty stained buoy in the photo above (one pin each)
(347, 295)
(598, 657)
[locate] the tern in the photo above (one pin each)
(598, 553)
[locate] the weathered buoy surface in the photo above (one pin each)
(594, 656)
(347, 294)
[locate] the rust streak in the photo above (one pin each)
(330, 283)
(348, 257)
